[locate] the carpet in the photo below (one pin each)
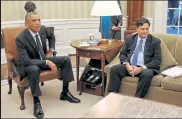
(52, 106)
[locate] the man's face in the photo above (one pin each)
(33, 23)
(143, 31)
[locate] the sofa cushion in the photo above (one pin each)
(178, 50)
(169, 40)
(170, 83)
(167, 59)
(156, 80)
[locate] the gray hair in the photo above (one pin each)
(29, 14)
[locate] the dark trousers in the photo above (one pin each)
(119, 71)
(116, 35)
(33, 72)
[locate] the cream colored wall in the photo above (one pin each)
(149, 9)
(14, 10)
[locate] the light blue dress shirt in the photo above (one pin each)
(140, 60)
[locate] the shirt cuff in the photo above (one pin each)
(46, 62)
(125, 63)
(52, 49)
(144, 67)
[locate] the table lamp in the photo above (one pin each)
(105, 9)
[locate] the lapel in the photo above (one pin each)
(134, 43)
(147, 45)
(31, 40)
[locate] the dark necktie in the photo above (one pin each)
(39, 47)
(136, 53)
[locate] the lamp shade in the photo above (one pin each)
(105, 8)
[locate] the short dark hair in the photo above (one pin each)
(142, 21)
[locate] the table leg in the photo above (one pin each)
(103, 77)
(77, 68)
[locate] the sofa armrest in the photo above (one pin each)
(115, 61)
(54, 53)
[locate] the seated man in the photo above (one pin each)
(140, 56)
(31, 46)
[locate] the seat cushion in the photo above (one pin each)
(167, 58)
(168, 39)
(156, 80)
(170, 83)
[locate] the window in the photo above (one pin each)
(174, 17)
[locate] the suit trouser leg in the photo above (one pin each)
(64, 63)
(116, 74)
(116, 34)
(144, 82)
(33, 73)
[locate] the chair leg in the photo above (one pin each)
(10, 85)
(42, 83)
(21, 91)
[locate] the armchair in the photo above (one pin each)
(9, 39)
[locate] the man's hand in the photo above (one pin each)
(115, 28)
(52, 66)
(130, 69)
(49, 53)
(137, 70)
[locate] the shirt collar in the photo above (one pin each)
(140, 39)
(33, 34)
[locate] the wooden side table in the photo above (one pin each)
(101, 51)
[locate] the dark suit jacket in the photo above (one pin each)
(152, 51)
(27, 51)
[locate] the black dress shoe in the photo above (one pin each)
(69, 97)
(38, 112)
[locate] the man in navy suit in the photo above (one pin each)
(32, 51)
(140, 56)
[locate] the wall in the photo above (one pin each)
(157, 10)
(47, 9)
(14, 10)
(71, 20)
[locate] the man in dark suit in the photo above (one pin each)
(116, 23)
(34, 57)
(140, 56)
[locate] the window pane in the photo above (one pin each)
(172, 17)
(180, 22)
(173, 3)
(172, 30)
(180, 30)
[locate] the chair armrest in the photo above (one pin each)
(115, 61)
(12, 60)
(54, 53)
(10, 57)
